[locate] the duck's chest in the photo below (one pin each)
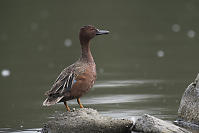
(84, 81)
(90, 73)
(87, 74)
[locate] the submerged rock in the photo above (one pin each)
(150, 124)
(189, 105)
(86, 120)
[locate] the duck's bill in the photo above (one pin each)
(101, 32)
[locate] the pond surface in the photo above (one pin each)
(143, 66)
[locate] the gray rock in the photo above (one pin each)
(150, 124)
(86, 120)
(186, 124)
(189, 105)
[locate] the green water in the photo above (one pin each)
(143, 66)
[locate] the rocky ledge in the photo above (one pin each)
(88, 120)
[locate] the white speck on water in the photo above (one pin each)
(160, 53)
(191, 34)
(5, 73)
(67, 42)
(21, 126)
(175, 27)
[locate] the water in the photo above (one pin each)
(143, 66)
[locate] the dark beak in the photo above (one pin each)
(101, 32)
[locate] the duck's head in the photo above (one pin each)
(88, 32)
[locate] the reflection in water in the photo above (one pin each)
(109, 99)
(35, 130)
(120, 83)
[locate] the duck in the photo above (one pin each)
(77, 79)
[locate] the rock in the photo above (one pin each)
(188, 125)
(189, 105)
(86, 120)
(150, 124)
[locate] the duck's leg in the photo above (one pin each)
(66, 105)
(78, 100)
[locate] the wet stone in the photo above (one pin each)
(150, 124)
(188, 125)
(86, 120)
(188, 112)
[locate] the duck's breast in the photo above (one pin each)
(84, 82)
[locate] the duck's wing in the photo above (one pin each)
(61, 85)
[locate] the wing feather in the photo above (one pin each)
(68, 83)
(59, 87)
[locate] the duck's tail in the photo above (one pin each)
(51, 101)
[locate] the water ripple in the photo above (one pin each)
(110, 99)
(120, 83)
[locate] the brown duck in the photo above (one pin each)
(76, 80)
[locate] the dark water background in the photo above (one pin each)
(143, 66)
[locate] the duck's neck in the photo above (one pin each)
(86, 53)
